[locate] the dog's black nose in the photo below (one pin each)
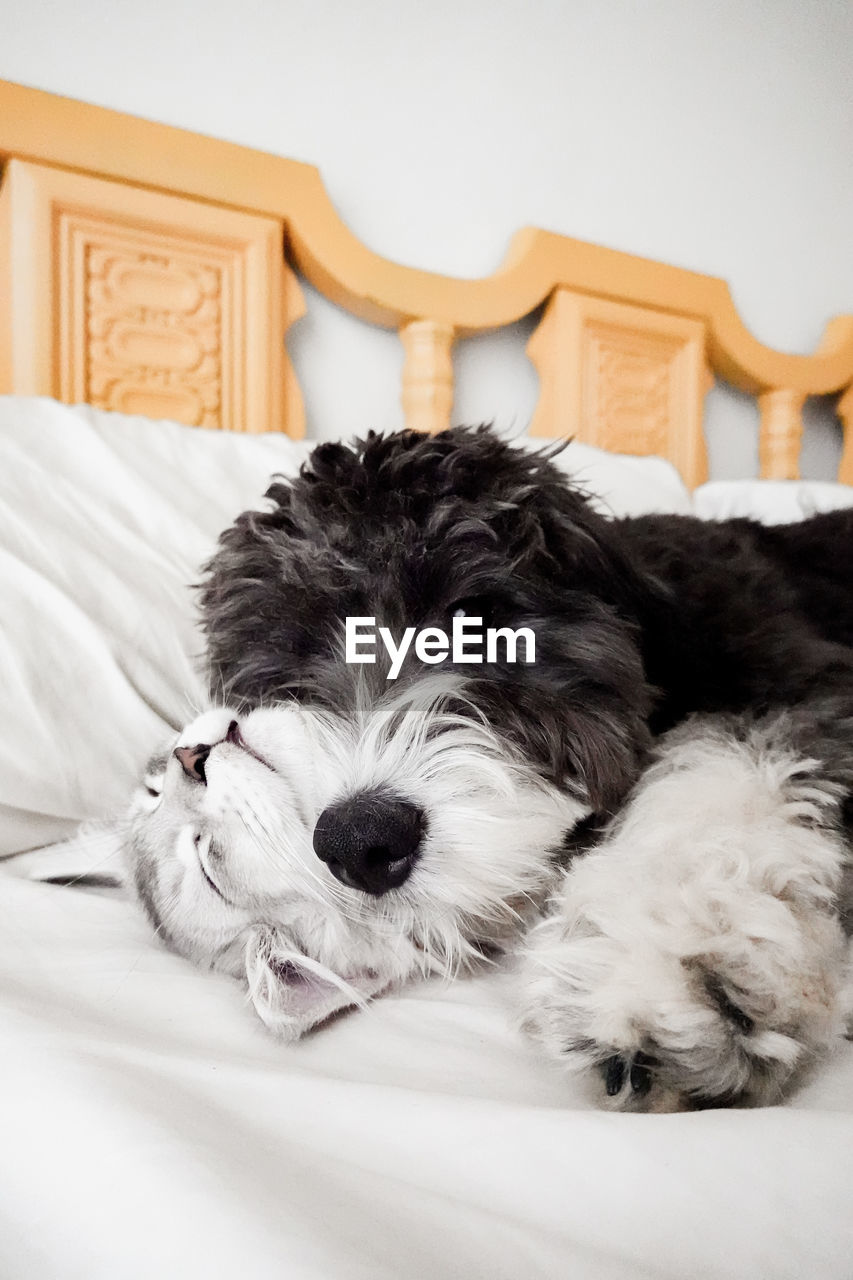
(371, 841)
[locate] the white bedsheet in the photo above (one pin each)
(150, 1126)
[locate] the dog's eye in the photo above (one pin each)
(486, 607)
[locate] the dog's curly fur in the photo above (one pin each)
(640, 623)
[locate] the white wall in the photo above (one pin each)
(716, 134)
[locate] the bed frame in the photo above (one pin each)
(155, 271)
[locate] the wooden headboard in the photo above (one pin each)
(155, 271)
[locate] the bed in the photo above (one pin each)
(150, 1126)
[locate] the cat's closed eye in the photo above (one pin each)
(153, 781)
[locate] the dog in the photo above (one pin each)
(655, 807)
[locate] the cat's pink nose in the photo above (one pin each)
(192, 761)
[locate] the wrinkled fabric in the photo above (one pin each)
(104, 522)
(151, 1126)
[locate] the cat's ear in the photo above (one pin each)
(292, 993)
(93, 858)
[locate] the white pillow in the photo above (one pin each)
(105, 520)
(624, 485)
(770, 501)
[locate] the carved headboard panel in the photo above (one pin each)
(152, 270)
(148, 303)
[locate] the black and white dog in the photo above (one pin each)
(656, 806)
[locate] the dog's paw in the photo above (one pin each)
(696, 957)
(677, 1000)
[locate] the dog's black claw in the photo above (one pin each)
(641, 1075)
(614, 1075)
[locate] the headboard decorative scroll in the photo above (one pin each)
(141, 268)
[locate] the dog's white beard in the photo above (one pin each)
(696, 954)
